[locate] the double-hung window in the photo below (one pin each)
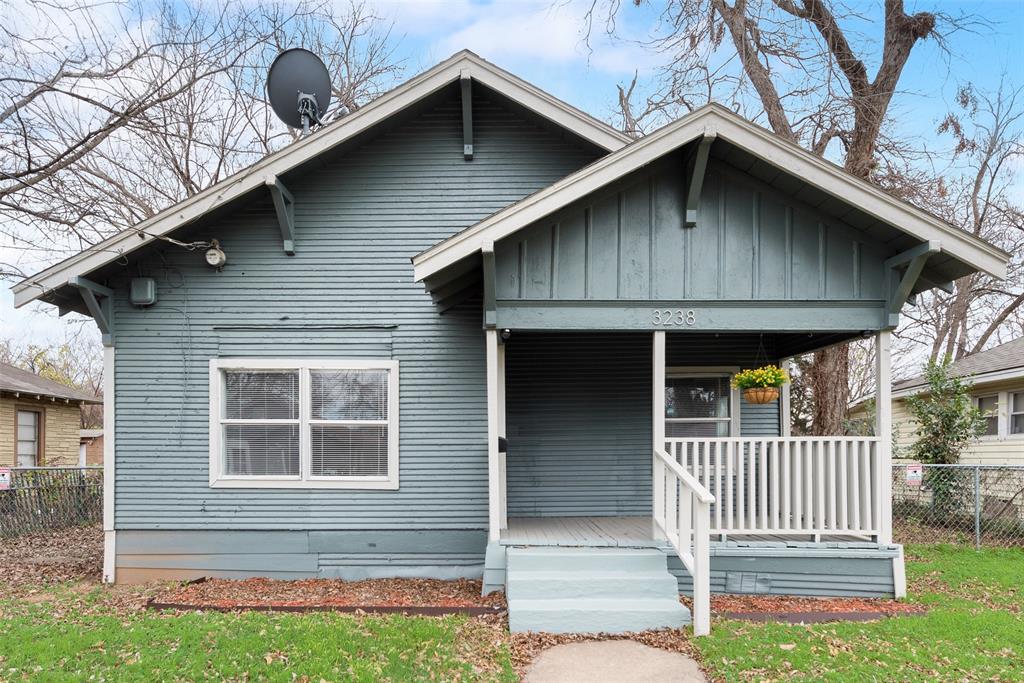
(700, 403)
(303, 424)
(989, 407)
(1017, 413)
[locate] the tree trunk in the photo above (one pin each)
(830, 385)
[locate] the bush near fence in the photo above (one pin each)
(981, 505)
(43, 498)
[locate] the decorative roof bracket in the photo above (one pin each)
(101, 310)
(284, 206)
(697, 165)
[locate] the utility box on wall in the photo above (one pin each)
(143, 291)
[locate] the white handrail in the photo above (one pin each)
(683, 514)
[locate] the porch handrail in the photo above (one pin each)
(683, 515)
(798, 486)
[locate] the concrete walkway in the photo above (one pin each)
(612, 661)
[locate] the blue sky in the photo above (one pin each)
(542, 42)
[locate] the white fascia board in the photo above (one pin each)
(243, 182)
(976, 381)
(715, 120)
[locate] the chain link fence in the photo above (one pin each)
(41, 498)
(980, 505)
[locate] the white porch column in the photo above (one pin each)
(502, 431)
(493, 425)
(109, 425)
(883, 430)
(658, 430)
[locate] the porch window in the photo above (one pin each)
(698, 405)
(303, 424)
(989, 406)
(1017, 413)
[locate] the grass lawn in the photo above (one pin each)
(974, 630)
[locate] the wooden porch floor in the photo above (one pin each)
(627, 532)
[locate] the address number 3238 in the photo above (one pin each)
(678, 317)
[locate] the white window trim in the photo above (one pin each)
(1010, 413)
(220, 480)
(711, 371)
(1003, 413)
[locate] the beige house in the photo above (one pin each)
(40, 420)
(997, 376)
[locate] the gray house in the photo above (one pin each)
(469, 330)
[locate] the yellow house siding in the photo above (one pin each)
(987, 450)
(61, 424)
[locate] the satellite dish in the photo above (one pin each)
(299, 88)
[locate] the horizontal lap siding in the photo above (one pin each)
(348, 292)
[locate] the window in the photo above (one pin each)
(28, 450)
(989, 406)
(1017, 413)
(699, 404)
(303, 424)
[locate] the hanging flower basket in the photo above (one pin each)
(760, 385)
(761, 395)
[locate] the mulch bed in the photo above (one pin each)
(408, 596)
(796, 610)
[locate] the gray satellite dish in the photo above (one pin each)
(299, 88)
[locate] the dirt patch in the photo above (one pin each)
(330, 593)
(58, 556)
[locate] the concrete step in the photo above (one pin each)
(595, 615)
(585, 559)
(586, 583)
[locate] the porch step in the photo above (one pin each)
(590, 590)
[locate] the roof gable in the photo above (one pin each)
(461, 65)
(716, 122)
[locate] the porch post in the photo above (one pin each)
(883, 431)
(658, 431)
(502, 431)
(493, 461)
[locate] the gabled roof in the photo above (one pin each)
(716, 121)
(14, 380)
(1002, 362)
(461, 64)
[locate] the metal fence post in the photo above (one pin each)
(977, 507)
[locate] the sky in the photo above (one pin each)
(542, 43)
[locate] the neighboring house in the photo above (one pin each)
(997, 379)
(468, 266)
(39, 420)
(90, 447)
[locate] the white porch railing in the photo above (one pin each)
(788, 485)
(682, 511)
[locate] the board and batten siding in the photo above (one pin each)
(579, 416)
(348, 292)
(628, 242)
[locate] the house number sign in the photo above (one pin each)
(678, 317)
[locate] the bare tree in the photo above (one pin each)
(792, 64)
(111, 111)
(987, 130)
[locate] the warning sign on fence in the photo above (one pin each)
(915, 474)
(5, 478)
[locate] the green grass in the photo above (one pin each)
(974, 630)
(39, 643)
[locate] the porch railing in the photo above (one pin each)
(682, 511)
(787, 485)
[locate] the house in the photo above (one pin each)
(39, 420)
(90, 447)
(469, 330)
(997, 379)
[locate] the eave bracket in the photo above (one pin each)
(101, 310)
(490, 287)
(697, 166)
(912, 262)
(284, 206)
